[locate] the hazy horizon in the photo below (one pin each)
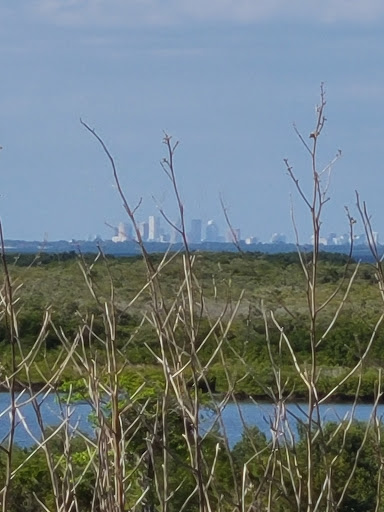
(226, 79)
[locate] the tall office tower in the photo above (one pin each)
(144, 230)
(211, 232)
(153, 228)
(128, 230)
(122, 232)
(195, 232)
(232, 235)
(175, 237)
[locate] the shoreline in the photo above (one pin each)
(241, 397)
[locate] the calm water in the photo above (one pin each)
(263, 415)
(52, 415)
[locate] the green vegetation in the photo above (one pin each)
(151, 343)
(33, 480)
(274, 281)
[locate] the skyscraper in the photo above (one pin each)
(211, 232)
(144, 230)
(232, 235)
(153, 228)
(195, 232)
(175, 236)
(122, 232)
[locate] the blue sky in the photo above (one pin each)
(225, 78)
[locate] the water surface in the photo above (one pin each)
(264, 415)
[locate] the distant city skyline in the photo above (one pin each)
(227, 79)
(156, 229)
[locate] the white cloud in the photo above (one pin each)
(170, 12)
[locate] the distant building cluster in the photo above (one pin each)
(153, 230)
(358, 239)
(123, 233)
